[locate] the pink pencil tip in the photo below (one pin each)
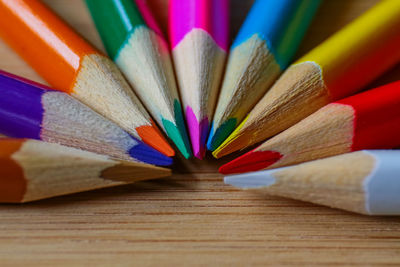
(198, 133)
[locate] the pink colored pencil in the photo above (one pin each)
(199, 38)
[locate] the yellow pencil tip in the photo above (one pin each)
(237, 140)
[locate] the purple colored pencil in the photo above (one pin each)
(32, 110)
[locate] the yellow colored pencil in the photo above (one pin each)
(338, 67)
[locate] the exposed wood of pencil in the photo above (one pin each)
(154, 82)
(68, 122)
(31, 110)
(32, 170)
(325, 133)
(300, 88)
(263, 48)
(136, 45)
(70, 64)
(251, 69)
(199, 64)
(346, 181)
(323, 75)
(368, 120)
(192, 217)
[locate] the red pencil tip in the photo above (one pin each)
(251, 161)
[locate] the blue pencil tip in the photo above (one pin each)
(149, 155)
(210, 137)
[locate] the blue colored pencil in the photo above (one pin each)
(264, 47)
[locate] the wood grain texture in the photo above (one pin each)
(192, 218)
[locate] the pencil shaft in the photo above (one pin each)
(377, 117)
(364, 182)
(264, 46)
(281, 24)
(371, 41)
(117, 17)
(68, 63)
(31, 110)
(338, 67)
(369, 120)
(32, 170)
(199, 39)
(135, 43)
(53, 42)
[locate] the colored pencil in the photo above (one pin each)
(32, 170)
(365, 182)
(369, 120)
(30, 110)
(70, 64)
(337, 68)
(264, 47)
(133, 40)
(199, 38)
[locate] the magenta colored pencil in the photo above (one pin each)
(199, 38)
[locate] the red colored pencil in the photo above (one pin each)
(369, 120)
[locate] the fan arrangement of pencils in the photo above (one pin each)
(107, 120)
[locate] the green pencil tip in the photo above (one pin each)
(216, 138)
(177, 132)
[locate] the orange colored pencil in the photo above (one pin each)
(70, 64)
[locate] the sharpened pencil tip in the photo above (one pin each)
(152, 136)
(237, 140)
(177, 131)
(218, 135)
(133, 172)
(198, 132)
(230, 145)
(251, 161)
(178, 137)
(149, 155)
(251, 180)
(199, 137)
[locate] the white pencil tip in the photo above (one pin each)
(251, 180)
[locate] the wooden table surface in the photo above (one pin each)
(192, 218)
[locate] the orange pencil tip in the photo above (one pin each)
(152, 136)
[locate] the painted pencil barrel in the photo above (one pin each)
(361, 51)
(263, 48)
(281, 24)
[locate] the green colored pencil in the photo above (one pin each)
(133, 40)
